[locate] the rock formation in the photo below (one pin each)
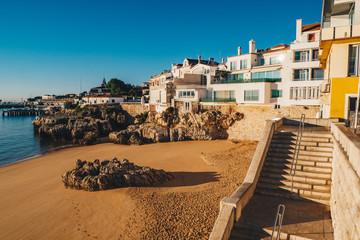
(209, 125)
(82, 127)
(108, 174)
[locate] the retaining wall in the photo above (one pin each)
(231, 207)
(133, 109)
(345, 187)
(250, 128)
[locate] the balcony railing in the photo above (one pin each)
(308, 79)
(246, 80)
(217, 100)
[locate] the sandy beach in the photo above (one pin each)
(34, 203)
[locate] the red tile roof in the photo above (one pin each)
(311, 27)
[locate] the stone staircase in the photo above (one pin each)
(312, 179)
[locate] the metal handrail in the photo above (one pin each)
(278, 219)
(297, 150)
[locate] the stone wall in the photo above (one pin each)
(251, 127)
(345, 187)
(180, 106)
(133, 109)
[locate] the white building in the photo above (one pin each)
(183, 86)
(161, 92)
(306, 75)
(254, 78)
(281, 75)
(102, 99)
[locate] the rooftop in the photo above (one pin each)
(311, 27)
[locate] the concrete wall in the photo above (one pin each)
(231, 207)
(250, 128)
(345, 187)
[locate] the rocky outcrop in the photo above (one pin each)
(208, 126)
(83, 128)
(108, 174)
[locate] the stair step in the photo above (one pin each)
(303, 173)
(303, 143)
(303, 162)
(304, 138)
(286, 182)
(287, 194)
(304, 179)
(297, 190)
(301, 156)
(299, 167)
(305, 134)
(247, 232)
(302, 147)
(301, 152)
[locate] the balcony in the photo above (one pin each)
(246, 80)
(340, 32)
(217, 100)
(310, 79)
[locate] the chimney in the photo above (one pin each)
(239, 50)
(252, 46)
(223, 61)
(298, 29)
(199, 59)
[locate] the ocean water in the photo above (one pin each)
(19, 142)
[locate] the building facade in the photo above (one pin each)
(339, 56)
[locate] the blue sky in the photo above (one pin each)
(47, 46)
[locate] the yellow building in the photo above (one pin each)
(339, 56)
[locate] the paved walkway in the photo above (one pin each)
(302, 218)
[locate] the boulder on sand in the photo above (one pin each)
(108, 174)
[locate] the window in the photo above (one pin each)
(298, 93)
(261, 62)
(301, 75)
(274, 61)
(230, 95)
(187, 106)
(301, 56)
(311, 37)
(276, 93)
(113, 101)
(315, 55)
(269, 76)
(203, 80)
(251, 95)
(186, 94)
(354, 60)
(233, 66)
(243, 64)
(317, 74)
(239, 76)
(258, 76)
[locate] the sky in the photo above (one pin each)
(51, 46)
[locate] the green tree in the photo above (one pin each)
(118, 87)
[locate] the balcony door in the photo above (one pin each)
(303, 57)
(303, 75)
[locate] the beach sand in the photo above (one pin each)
(34, 203)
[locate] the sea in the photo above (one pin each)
(18, 142)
